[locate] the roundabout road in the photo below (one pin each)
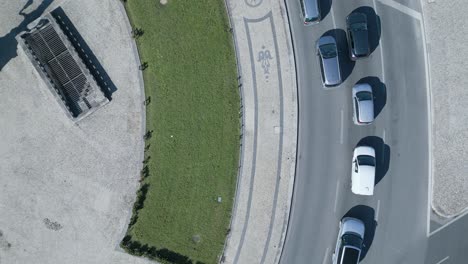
(396, 215)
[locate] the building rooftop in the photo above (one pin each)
(61, 67)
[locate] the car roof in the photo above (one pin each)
(361, 42)
(350, 255)
(332, 71)
(360, 38)
(363, 181)
(311, 8)
(366, 111)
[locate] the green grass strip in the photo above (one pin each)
(193, 114)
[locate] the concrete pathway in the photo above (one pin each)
(269, 92)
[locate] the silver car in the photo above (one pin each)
(310, 11)
(327, 52)
(350, 241)
(363, 104)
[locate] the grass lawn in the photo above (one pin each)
(194, 119)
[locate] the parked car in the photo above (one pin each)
(358, 36)
(327, 52)
(363, 104)
(350, 241)
(310, 11)
(363, 170)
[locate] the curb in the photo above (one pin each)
(293, 180)
(241, 151)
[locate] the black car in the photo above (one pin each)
(358, 36)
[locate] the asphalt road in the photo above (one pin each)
(396, 215)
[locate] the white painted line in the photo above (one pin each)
(376, 218)
(383, 135)
(464, 213)
(444, 259)
(342, 126)
(380, 48)
(381, 58)
(325, 258)
(402, 8)
(333, 18)
(430, 114)
(336, 196)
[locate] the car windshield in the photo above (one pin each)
(364, 96)
(311, 19)
(328, 51)
(352, 240)
(364, 160)
(359, 26)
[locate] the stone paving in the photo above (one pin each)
(269, 92)
(446, 31)
(68, 188)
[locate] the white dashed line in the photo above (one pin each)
(444, 259)
(383, 135)
(342, 127)
(380, 48)
(333, 18)
(376, 218)
(325, 258)
(336, 196)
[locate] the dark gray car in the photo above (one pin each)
(358, 36)
(327, 52)
(310, 11)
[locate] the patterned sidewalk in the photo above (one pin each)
(268, 159)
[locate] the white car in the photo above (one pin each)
(350, 241)
(363, 104)
(363, 171)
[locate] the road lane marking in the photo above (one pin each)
(444, 259)
(342, 126)
(333, 18)
(383, 146)
(336, 196)
(376, 218)
(430, 114)
(380, 46)
(402, 8)
(325, 258)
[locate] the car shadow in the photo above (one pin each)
(373, 25)
(367, 215)
(346, 64)
(382, 155)
(379, 90)
(325, 7)
(8, 42)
